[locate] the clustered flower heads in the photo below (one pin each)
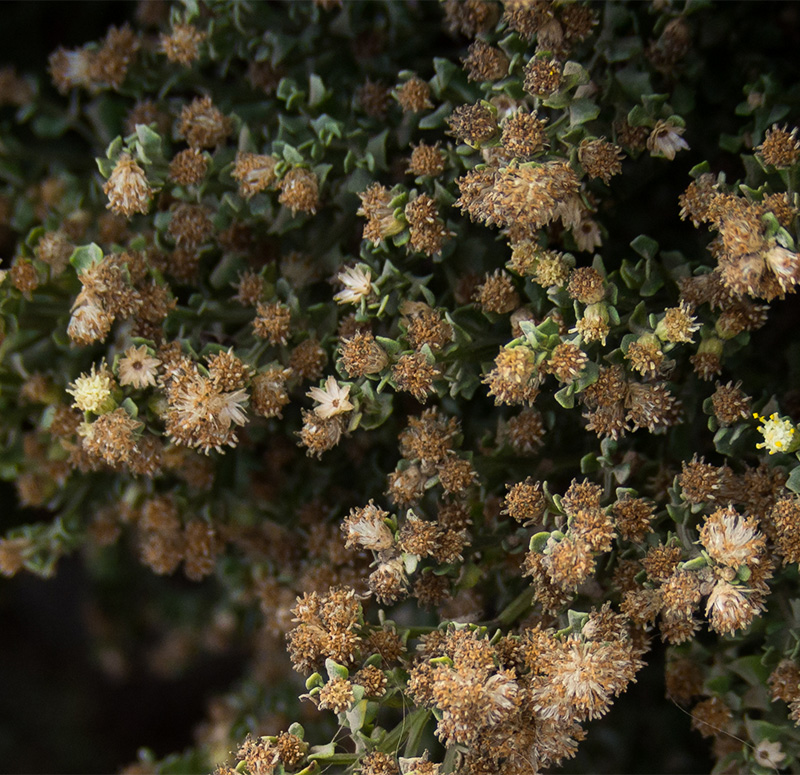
(373, 347)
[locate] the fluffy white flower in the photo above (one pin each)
(357, 283)
(665, 140)
(332, 399)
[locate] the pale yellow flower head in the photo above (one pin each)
(92, 391)
(779, 434)
(137, 368)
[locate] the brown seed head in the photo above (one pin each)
(730, 404)
(784, 681)
(426, 160)
(645, 356)
(268, 392)
(497, 293)
(525, 432)
(525, 502)
(566, 362)
(780, 149)
(633, 517)
(374, 99)
(182, 45)
(515, 377)
(527, 17)
(473, 124)
(336, 695)
(308, 359)
(470, 17)
(249, 289)
(361, 355)
(108, 66)
(127, 188)
(414, 95)
(415, 375)
(272, 322)
(696, 200)
(485, 62)
(255, 172)
(54, 249)
(203, 125)
(542, 77)
(23, 276)
(634, 138)
(190, 225)
(300, 191)
(524, 134)
(600, 158)
(586, 285)
(188, 167)
(428, 231)
(578, 21)
(425, 326)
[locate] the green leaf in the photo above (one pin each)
(589, 463)
(436, 119)
(566, 396)
(392, 346)
(793, 482)
(313, 681)
(582, 110)
(645, 246)
(539, 541)
(335, 670)
(574, 74)
(114, 148)
(638, 116)
(326, 754)
(621, 49)
(634, 82)
(356, 715)
(377, 147)
(445, 71)
(50, 126)
(130, 407)
(317, 93)
(85, 256)
(149, 145)
(327, 128)
(699, 169)
(292, 155)
(577, 619)
(730, 143)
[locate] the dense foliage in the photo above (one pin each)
(404, 331)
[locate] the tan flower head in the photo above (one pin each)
(137, 368)
(365, 527)
(255, 172)
(357, 283)
(665, 140)
(203, 125)
(332, 399)
(182, 46)
(127, 188)
(780, 149)
(731, 539)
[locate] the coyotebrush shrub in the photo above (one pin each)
(349, 318)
